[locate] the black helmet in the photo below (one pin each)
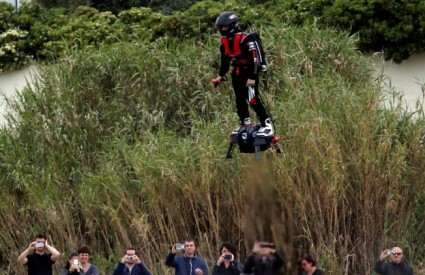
(227, 18)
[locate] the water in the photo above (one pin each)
(12, 82)
(407, 77)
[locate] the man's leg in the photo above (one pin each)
(266, 129)
(241, 95)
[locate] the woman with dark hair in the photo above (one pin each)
(308, 266)
(227, 263)
(72, 266)
(87, 267)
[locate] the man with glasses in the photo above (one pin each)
(395, 266)
(130, 264)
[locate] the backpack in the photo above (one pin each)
(261, 53)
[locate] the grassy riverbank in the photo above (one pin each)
(125, 144)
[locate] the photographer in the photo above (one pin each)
(72, 266)
(39, 262)
(188, 263)
(264, 260)
(130, 264)
(395, 265)
(227, 264)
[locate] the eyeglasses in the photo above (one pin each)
(397, 254)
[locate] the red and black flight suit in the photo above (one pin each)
(239, 50)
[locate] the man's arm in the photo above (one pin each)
(204, 267)
(170, 261)
(249, 264)
(143, 270)
(380, 267)
(55, 254)
(278, 262)
(225, 62)
(254, 54)
(22, 259)
(119, 269)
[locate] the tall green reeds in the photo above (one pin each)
(124, 145)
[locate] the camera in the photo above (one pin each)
(228, 257)
(39, 244)
(389, 251)
(267, 245)
(75, 262)
(130, 258)
(179, 246)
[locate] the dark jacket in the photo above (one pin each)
(235, 268)
(390, 268)
(185, 265)
(138, 269)
(316, 272)
(257, 265)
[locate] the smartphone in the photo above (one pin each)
(179, 246)
(39, 244)
(75, 262)
(228, 257)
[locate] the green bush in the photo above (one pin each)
(12, 49)
(397, 28)
(6, 11)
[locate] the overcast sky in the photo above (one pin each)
(13, 2)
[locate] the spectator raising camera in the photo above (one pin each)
(188, 263)
(395, 265)
(264, 260)
(73, 266)
(227, 263)
(131, 264)
(36, 259)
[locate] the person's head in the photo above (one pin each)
(189, 247)
(84, 254)
(71, 259)
(227, 23)
(396, 255)
(40, 240)
(307, 263)
(130, 253)
(265, 248)
(228, 248)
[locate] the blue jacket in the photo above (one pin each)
(138, 269)
(185, 265)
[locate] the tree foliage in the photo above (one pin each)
(396, 28)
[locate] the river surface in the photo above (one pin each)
(407, 78)
(11, 83)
